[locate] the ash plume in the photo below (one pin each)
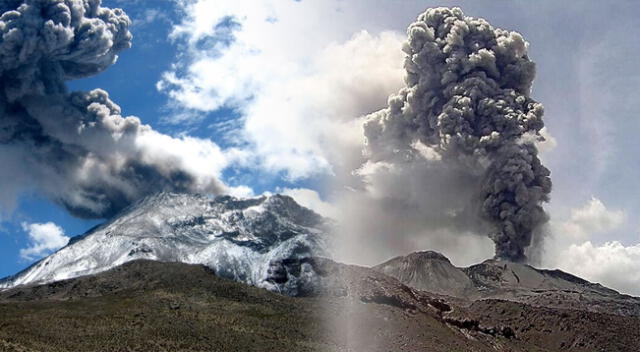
(75, 147)
(467, 107)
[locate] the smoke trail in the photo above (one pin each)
(76, 147)
(466, 103)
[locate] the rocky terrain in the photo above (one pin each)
(374, 312)
(502, 280)
(263, 241)
(153, 306)
(191, 273)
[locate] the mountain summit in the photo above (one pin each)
(265, 241)
(428, 271)
(509, 281)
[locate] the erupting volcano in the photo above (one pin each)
(467, 107)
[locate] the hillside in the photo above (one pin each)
(153, 306)
(503, 280)
(263, 241)
(376, 312)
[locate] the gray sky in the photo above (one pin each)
(587, 78)
(310, 72)
(299, 75)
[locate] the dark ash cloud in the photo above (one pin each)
(75, 147)
(467, 108)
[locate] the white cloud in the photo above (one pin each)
(44, 238)
(201, 158)
(571, 248)
(311, 199)
(611, 264)
(299, 89)
(590, 219)
(301, 73)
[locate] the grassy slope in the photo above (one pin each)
(151, 306)
(148, 306)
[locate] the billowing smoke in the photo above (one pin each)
(466, 110)
(75, 146)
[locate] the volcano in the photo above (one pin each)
(504, 280)
(215, 274)
(265, 241)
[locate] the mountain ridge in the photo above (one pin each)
(503, 280)
(262, 241)
(145, 305)
(125, 308)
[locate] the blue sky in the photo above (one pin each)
(287, 53)
(131, 84)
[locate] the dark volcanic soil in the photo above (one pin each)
(151, 306)
(378, 313)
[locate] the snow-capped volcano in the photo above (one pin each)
(266, 241)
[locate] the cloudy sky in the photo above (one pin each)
(278, 88)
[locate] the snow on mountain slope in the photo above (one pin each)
(264, 241)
